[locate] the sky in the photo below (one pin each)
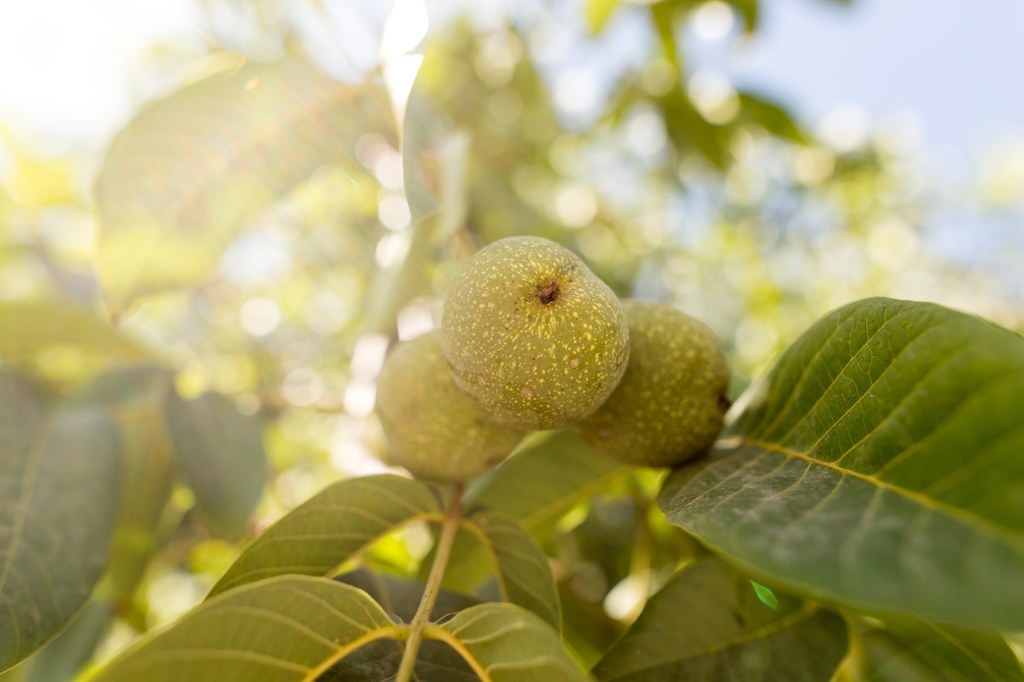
(952, 69)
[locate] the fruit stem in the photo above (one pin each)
(452, 520)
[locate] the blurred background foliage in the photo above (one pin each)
(278, 212)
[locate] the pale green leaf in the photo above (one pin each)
(284, 629)
(506, 643)
(522, 570)
(193, 169)
(879, 466)
(598, 14)
(29, 326)
(58, 503)
(708, 623)
(332, 527)
(219, 451)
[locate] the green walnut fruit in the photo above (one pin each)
(532, 335)
(433, 429)
(671, 402)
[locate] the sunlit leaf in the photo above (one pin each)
(332, 527)
(220, 453)
(191, 170)
(598, 14)
(535, 488)
(506, 643)
(289, 628)
(521, 568)
(58, 503)
(927, 653)
(29, 326)
(878, 466)
(771, 115)
(709, 623)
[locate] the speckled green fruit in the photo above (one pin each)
(670, 404)
(532, 335)
(433, 429)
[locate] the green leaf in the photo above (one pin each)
(689, 131)
(773, 116)
(136, 397)
(332, 527)
(58, 503)
(220, 453)
(289, 628)
(506, 643)
(193, 169)
(708, 623)
(598, 14)
(927, 653)
(535, 487)
(29, 326)
(522, 570)
(435, 160)
(879, 466)
(750, 11)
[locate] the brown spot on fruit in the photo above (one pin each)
(549, 293)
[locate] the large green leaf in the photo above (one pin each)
(926, 653)
(284, 629)
(535, 488)
(709, 623)
(191, 170)
(522, 570)
(332, 527)
(598, 13)
(58, 503)
(879, 466)
(29, 326)
(506, 643)
(220, 453)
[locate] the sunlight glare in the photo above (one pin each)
(713, 21)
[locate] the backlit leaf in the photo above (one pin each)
(29, 326)
(535, 488)
(506, 643)
(522, 570)
(284, 629)
(332, 527)
(193, 169)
